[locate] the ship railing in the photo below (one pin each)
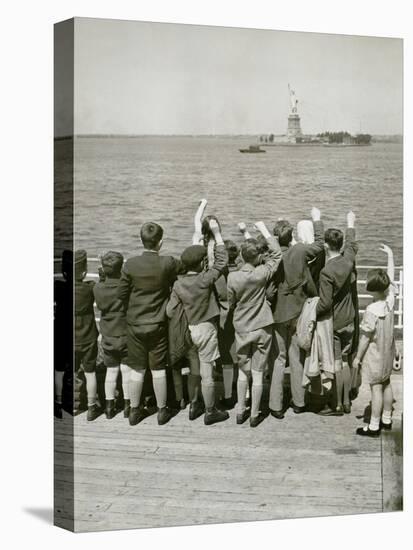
(364, 298)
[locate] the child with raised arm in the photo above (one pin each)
(252, 320)
(195, 291)
(336, 299)
(113, 330)
(376, 346)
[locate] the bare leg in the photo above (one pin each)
(376, 406)
(387, 404)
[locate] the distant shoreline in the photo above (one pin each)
(382, 138)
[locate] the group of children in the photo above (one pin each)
(236, 306)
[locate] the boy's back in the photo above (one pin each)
(85, 324)
(145, 286)
(113, 310)
(247, 292)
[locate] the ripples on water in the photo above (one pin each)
(122, 182)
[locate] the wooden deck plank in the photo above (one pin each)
(185, 473)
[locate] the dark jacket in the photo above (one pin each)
(293, 278)
(196, 290)
(85, 324)
(113, 310)
(145, 286)
(337, 281)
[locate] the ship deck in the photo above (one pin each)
(185, 473)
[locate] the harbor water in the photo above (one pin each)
(122, 182)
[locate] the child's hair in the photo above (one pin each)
(112, 263)
(151, 235)
(192, 256)
(334, 238)
(377, 280)
(80, 263)
(284, 231)
(250, 251)
(206, 232)
(262, 244)
(232, 250)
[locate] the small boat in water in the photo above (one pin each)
(252, 149)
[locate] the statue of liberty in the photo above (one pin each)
(293, 100)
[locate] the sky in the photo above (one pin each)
(156, 78)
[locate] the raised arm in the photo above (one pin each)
(220, 255)
(314, 249)
(197, 236)
(244, 231)
(350, 244)
(390, 272)
(275, 255)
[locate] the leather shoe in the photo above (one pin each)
(338, 411)
(110, 411)
(277, 414)
(126, 408)
(213, 415)
(196, 410)
(242, 417)
(93, 412)
(256, 420)
(164, 415)
(347, 408)
(367, 432)
(136, 415)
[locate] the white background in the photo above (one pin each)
(26, 218)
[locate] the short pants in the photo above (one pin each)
(253, 348)
(147, 347)
(115, 351)
(205, 339)
(85, 355)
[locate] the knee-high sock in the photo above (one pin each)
(159, 387)
(194, 387)
(242, 385)
(125, 370)
(346, 383)
(256, 392)
(110, 382)
(228, 376)
(135, 386)
(177, 379)
(91, 388)
(58, 385)
(207, 384)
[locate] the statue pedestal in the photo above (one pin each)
(294, 128)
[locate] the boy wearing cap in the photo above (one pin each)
(86, 333)
(113, 330)
(195, 290)
(252, 320)
(144, 287)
